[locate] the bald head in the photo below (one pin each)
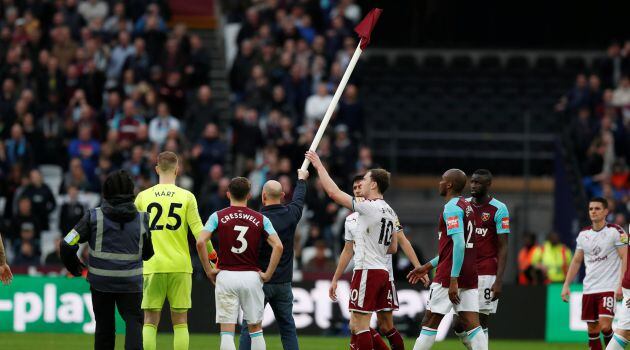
(457, 178)
(272, 192)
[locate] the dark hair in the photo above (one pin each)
(239, 188)
(356, 178)
(483, 172)
(381, 177)
(118, 183)
(602, 200)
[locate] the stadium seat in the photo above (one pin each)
(53, 176)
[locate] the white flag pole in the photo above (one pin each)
(333, 103)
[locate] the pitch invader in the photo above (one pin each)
(456, 282)
(491, 243)
(239, 283)
(601, 248)
(384, 317)
(168, 274)
(370, 289)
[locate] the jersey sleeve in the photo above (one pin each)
(397, 226)
(619, 237)
(138, 202)
(81, 231)
(502, 220)
(578, 243)
(347, 229)
(268, 226)
(192, 216)
(213, 223)
(454, 219)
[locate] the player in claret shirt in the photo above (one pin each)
(239, 283)
(455, 284)
(491, 243)
(604, 254)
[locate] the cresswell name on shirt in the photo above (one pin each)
(233, 216)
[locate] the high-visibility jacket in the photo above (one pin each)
(525, 260)
(555, 259)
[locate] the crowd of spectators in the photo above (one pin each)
(598, 106)
(92, 86)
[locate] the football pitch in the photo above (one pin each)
(41, 341)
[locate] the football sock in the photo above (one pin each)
(378, 342)
(618, 343)
(426, 339)
(149, 333)
(594, 343)
(180, 336)
(477, 338)
(258, 341)
(607, 336)
(395, 339)
(463, 336)
(363, 340)
(227, 341)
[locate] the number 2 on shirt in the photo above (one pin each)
(471, 230)
(242, 230)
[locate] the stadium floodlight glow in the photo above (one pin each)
(364, 30)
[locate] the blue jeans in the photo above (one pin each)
(280, 297)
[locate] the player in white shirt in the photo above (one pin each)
(370, 289)
(600, 247)
(385, 317)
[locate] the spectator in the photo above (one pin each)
(51, 129)
(621, 95)
(54, 258)
(85, 148)
(163, 124)
(71, 211)
(139, 62)
(209, 151)
(198, 66)
(316, 105)
(76, 177)
(219, 199)
(92, 10)
(321, 262)
(64, 46)
(529, 273)
(200, 113)
(26, 254)
(42, 199)
(25, 220)
(17, 148)
(120, 53)
(553, 258)
(117, 20)
(127, 125)
(173, 93)
(350, 112)
(247, 137)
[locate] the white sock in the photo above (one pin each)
(617, 343)
(258, 341)
(477, 338)
(463, 336)
(426, 339)
(227, 341)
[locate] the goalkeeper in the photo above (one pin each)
(172, 210)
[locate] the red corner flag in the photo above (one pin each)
(364, 29)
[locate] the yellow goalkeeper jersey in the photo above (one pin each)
(172, 210)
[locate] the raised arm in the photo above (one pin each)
(297, 202)
(574, 267)
(331, 188)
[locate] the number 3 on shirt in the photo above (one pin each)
(471, 230)
(241, 238)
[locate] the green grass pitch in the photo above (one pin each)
(38, 341)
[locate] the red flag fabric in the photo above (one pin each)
(365, 27)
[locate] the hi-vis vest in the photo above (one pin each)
(115, 262)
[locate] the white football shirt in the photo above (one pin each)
(350, 228)
(603, 264)
(376, 222)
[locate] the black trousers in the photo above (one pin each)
(128, 305)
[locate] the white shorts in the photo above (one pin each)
(623, 312)
(486, 305)
(239, 290)
(439, 303)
